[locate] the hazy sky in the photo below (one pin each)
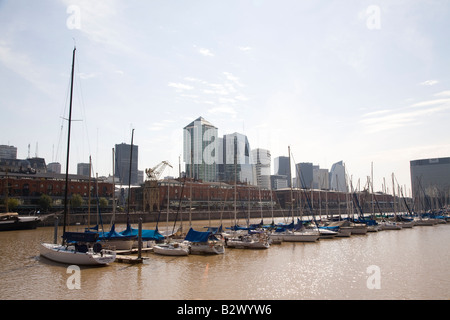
(359, 81)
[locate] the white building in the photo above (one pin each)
(261, 160)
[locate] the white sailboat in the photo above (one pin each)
(204, 242)
(79, 248)
(291, 235)
(240, 237)
(172, 248)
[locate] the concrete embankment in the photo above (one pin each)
(106, 218)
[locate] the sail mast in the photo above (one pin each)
(68, 143)
(129, 178)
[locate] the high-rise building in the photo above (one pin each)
(281, 166)
(321, 179)
(261, 159)
(237, 158)
(430, 181)
(8, 152)
(200, 150)
(304, 174)
(122, 163)
(83, 169)
(337, 177)
(54, 167)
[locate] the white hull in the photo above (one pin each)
(68, 255)
(424, 222)
(327, 234)
(295, 236)
(246, 244)
(375, 228)
(344, 232)
(391, 226)
(207, 248)
(407, 224)
(176, 249)
(356, 229)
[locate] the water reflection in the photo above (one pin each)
(413, 265)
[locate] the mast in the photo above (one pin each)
(290, 175)
(129, 178)
(89, 195)
(68, 143)
(114, 189)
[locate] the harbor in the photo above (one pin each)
(410, 264)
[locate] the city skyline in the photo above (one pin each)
(360, 82)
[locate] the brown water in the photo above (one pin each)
(412, 263)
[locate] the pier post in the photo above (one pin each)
(140, 240)
(55, 231)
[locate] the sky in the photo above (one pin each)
(364, 82)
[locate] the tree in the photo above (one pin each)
(13, 204)
(103, 203)
(75, 201)
(45, 202)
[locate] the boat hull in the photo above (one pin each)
(295, 237)
(207, 248)
(391, 226)
(359, 229)
(19, 223)
(63, 254)
(239, 244)
(170, 250)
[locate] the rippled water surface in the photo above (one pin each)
(412, 263)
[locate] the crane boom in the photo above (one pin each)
(155, 172)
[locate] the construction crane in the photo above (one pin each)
(154, 173)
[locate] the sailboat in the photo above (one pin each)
(79, 248)
(204, 242)
(244, 237)
(291, 233)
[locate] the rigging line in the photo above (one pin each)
(83, 108)
(61, 127)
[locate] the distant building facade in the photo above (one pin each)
(122, 163)
(337, 177)
(281, 168)
(237, 159)
(430, 181)
(262, 160)
(8, 152)
(83, 169)
(200, 150)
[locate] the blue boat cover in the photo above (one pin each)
(113, 235)
(197, 236)
(147, 234)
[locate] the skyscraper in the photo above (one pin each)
(281, 165)
(237, 158)
(261, 159)
(337, 177)
(122, 163)
(430, 181)
(304, 173)
(200, 150)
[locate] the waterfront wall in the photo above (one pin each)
(121, 218)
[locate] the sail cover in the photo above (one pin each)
(114, 235)
(147, 234)
(197, 236)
